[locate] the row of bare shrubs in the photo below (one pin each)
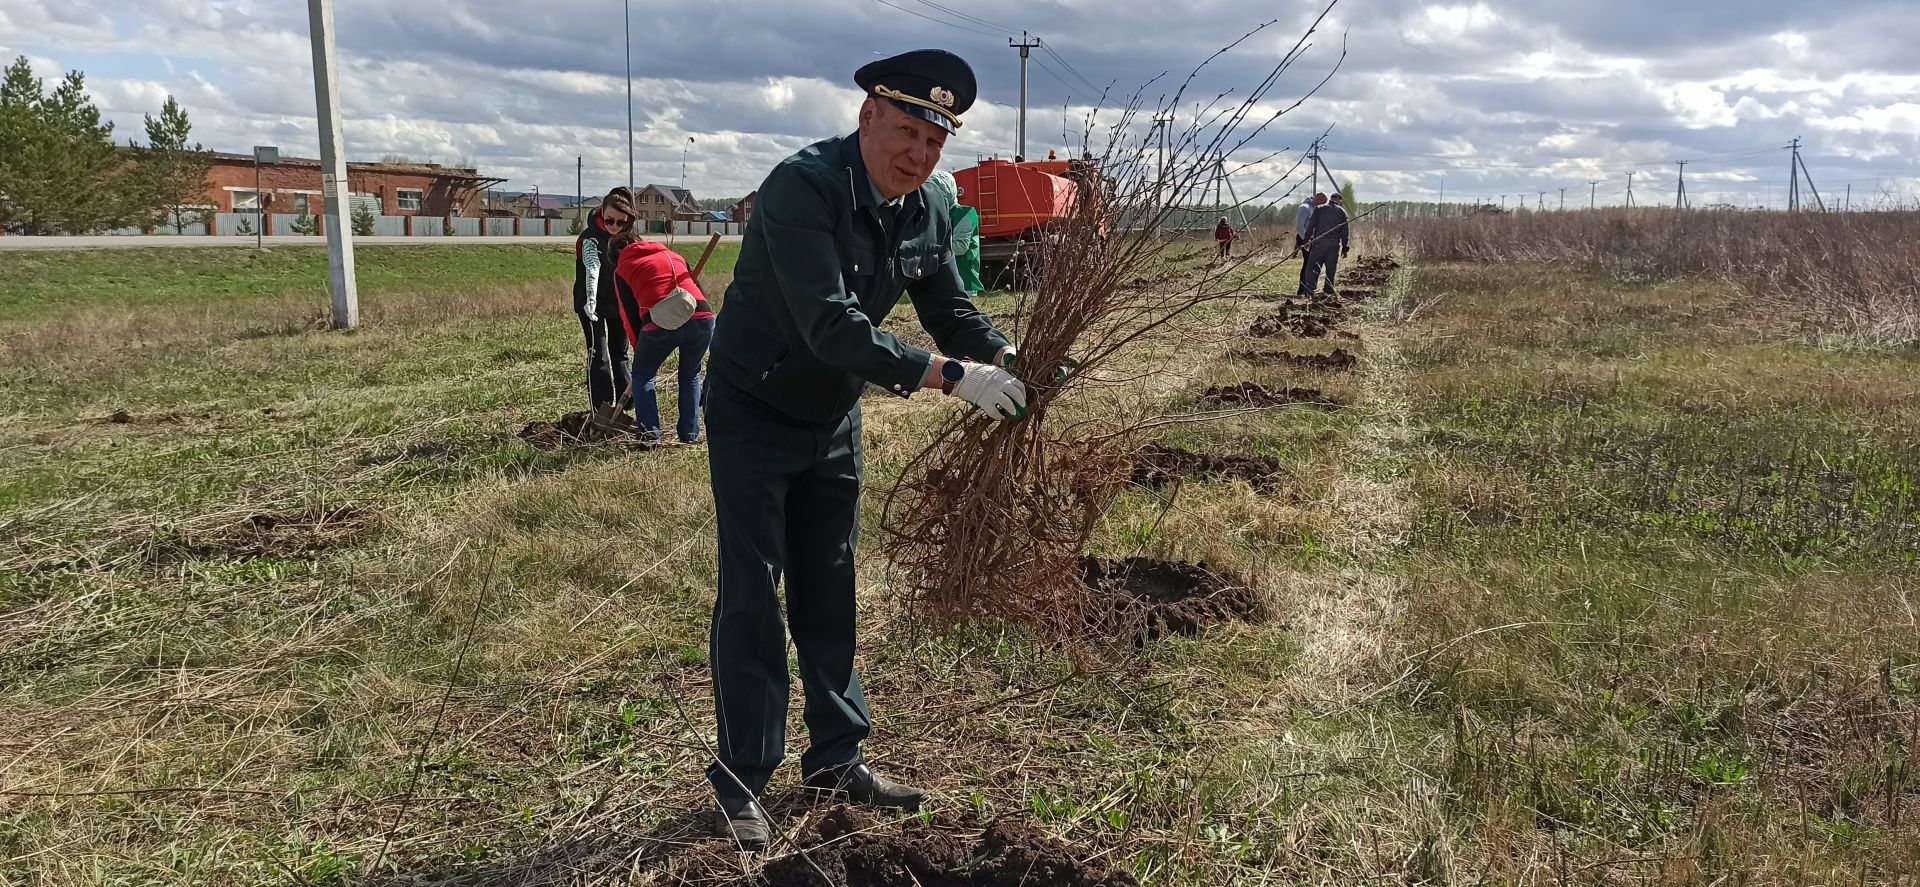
(1856, 274)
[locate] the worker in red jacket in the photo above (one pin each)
(664, 311)
(1223, 235)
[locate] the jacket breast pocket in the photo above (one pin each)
(922, 261)
(859, 267)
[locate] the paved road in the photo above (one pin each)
(169, 241)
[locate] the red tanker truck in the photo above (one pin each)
(1017, 202)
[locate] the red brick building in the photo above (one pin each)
(390, 189)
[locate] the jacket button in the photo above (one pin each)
(896, 386)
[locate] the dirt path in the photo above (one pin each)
(1343, 616)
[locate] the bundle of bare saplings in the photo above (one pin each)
(991, 523)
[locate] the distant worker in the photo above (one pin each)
(844, 228)
(1223, 235)
(1302, 224)
(966, 229)
(662, 311)
(1326, 244)
(1303, 217)
(594, 299)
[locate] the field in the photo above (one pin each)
(1565, 575)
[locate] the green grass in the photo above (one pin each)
(1591, 583)
(45, 283)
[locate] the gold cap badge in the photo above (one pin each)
(942, 96)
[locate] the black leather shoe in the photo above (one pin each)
(864, 786)
(745, 824)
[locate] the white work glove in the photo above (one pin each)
(994, 390)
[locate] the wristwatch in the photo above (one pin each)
(951, 373)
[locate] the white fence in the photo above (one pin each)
(246, 224)
(704, 228)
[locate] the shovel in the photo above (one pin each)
(605, 420)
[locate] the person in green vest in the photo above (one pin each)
(966, 229)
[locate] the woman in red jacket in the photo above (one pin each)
(664, 311)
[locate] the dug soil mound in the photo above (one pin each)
(1338, 361)
(1368, 271)
(1288, 322)
(1157, 467)
(1248, 394)
(857, 850)
(575, 428)
(1155, 598)
(292, 534)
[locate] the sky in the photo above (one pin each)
(1497, 100)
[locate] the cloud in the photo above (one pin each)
(1492, 95)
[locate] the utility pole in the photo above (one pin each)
(579, 198)
(1160, 122)
(1540, 202)
(683, 162)
(1025, 44)
(1443, 196)
(1313, 157)
(1793, 177)
(1593, 192)
(1848, 206)
(626, 30)
(1680, 193)
(1629, 190)
(1800, 169)
(333, 168)
(1563, 200)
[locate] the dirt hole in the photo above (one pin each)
(1337, 361)
(289, 534)
(1248, 394)
(1375, 262)
(122, 417)
(859, 850)
(575, 428)
(1301, 324)
(1157, 467)
(1156, 598)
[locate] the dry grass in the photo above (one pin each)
(1857, 274)
(1505, 654)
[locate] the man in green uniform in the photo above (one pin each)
(841, 230)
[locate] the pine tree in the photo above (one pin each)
(1346, 198)
(59, 168)
(362, 221)
(20, 131)
(172, 174)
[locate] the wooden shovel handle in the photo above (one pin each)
(711, 243)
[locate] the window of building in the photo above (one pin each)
(301, 206)
(409, 199)
(246, 201)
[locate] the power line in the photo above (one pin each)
(1049, 50)
(1003, 29)
(939, 21)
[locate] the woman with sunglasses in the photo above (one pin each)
(594, 299)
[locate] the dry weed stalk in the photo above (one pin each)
(991, 520)
(1857, 274)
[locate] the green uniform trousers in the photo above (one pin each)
(787, 501)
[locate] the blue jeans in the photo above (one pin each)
(692, 340)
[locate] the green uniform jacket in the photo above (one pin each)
(800, 328)
(966, 246)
